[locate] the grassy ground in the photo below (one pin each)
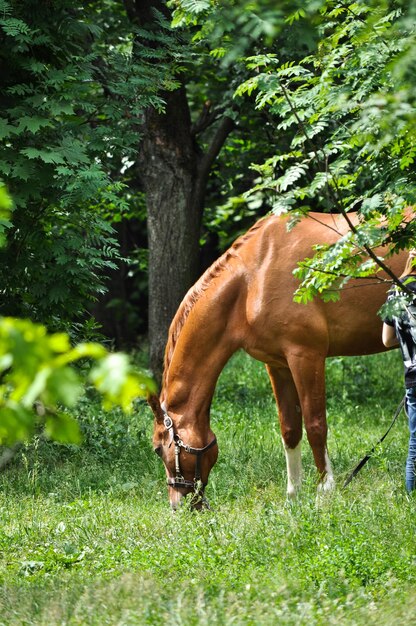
(87, 537)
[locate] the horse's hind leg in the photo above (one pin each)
(308, 370)
(290, 424)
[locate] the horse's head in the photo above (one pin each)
(187, 454)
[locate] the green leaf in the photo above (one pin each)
(6, 129)
(6, 202)
(32, 123)
(115, 379)
(47, 156)
(63, 428)
(16, 423)
(14, 27)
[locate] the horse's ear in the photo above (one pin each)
(153, 402)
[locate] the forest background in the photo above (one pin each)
(138, 139)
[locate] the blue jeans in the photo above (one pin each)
(411, 457)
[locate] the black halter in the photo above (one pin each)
(179, 482)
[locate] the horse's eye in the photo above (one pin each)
(158, 451)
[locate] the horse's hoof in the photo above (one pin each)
(327, 485)
(292, 493)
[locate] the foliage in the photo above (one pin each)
(74, 81)
(323, 103)
(87, 537)
(222, 34)
(344, 115)
(35, 371)
(231, 28)
(5, 208)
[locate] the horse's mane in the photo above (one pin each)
(195, 293)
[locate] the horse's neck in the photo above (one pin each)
(193, 375)
(202, 349)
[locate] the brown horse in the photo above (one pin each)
(245, 300)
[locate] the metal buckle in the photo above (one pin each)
(167, 420)
(179, 482)
(179, 442)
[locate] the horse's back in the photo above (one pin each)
(275, 323)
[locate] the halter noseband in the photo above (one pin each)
(179, 481)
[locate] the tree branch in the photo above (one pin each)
(207, 117)
(338, 202)
(223, 130)
(205, 164)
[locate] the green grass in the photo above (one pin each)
(87, 537)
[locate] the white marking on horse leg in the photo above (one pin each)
(328, 481)
(294, 468)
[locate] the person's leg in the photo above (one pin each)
(411, 457)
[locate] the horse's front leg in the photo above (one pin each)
(308, 370)
(290, 417)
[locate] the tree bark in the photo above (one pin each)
(168, 168)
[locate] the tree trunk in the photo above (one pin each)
(168, 169)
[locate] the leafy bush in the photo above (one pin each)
(73, 90)
(35, 372)
(35, 369)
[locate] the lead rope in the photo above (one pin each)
(370, 454)
(401, 405)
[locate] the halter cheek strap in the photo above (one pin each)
(179, 481)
